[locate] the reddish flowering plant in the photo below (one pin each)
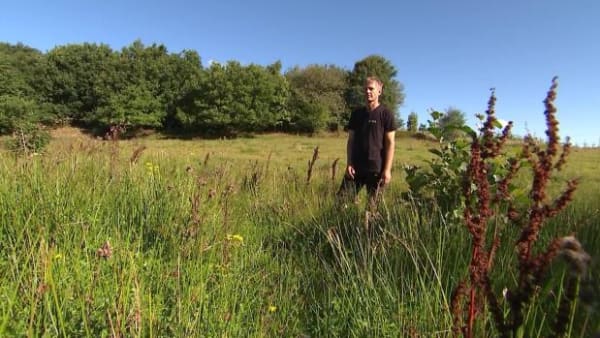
(482, 197)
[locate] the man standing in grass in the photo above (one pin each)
(370, 147)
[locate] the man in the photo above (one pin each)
(370, 147)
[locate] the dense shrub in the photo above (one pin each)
(28, 138)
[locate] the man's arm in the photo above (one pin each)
(388, 150)
(349, 146)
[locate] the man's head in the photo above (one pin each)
(373, 89)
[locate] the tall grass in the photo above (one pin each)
(226, 238)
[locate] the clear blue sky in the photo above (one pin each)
(447, 52)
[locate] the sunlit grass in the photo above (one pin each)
(220, 238)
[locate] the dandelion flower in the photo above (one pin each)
(272, 308)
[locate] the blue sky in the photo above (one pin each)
(447, 53)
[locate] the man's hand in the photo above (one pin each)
(386, 177)
(350, 171)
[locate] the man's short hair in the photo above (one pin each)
(374, 79)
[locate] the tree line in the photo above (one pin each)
(148, 87)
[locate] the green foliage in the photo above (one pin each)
(82, 78)
(93, 86)
(140, 85)
(313, 117)
(440, 185)
(135, 107)
(15, 110)
(375, 65)
(185, 76)
(22, 71)
(400, 121)
(22, 119)
(236, 98)
(317, 92)
(165, 77)
(413, 122)
(28, 138)
(451, 122)
(24, 77)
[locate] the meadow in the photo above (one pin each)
(160, 237)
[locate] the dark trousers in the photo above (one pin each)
(350, 187)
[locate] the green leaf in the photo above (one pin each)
(469, 131)
(436, 115)
(436, 152)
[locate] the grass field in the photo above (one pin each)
(157, 237)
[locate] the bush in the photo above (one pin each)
(440, 185)
(23, 119)
(28, 138)
(310, 118)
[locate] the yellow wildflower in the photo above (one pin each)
(152, 168)
(272, 308)
(235, 238)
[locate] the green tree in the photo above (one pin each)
(450, 122)
(13, 110)
(413, 122)
(317, 97)
(24, 75)
(82, 78)
(375, 65)
(399, 121)
(134, 107)
(166, 77)
(141, 86)
(203, 108)
(20, 70)
(233, 98)
(22, 118)
(188, 71)
(310, 117)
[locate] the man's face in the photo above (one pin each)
(372, 91)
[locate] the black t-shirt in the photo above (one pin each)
(369, 132)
